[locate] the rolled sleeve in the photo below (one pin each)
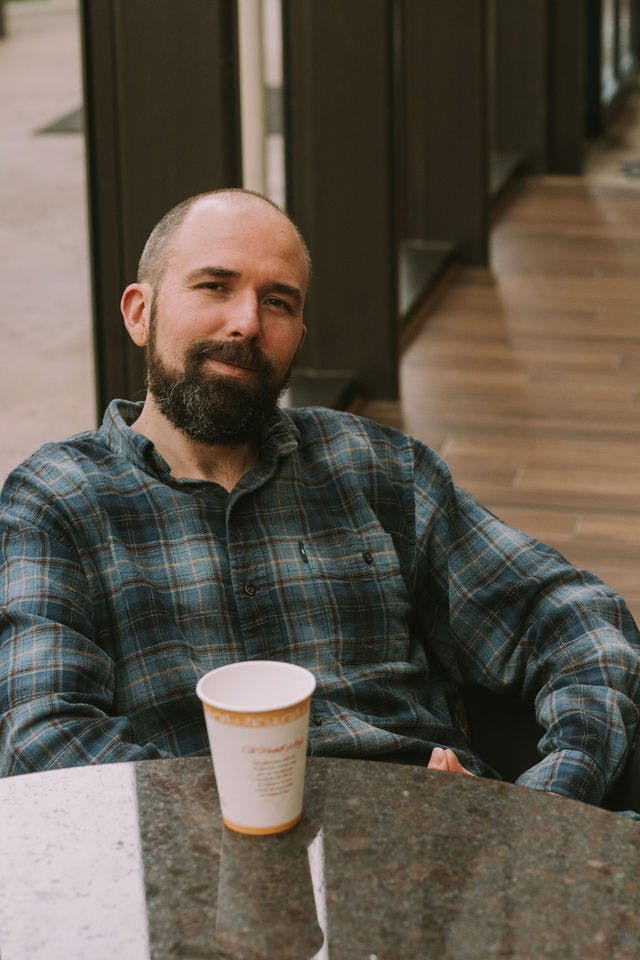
(525, 622)
(569, 773)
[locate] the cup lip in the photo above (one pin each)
(251, 708)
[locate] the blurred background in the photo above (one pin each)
(466, 175)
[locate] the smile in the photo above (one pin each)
(232, 368)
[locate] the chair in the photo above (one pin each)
(504, 732)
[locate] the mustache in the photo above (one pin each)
(245, 354)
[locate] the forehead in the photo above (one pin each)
(242, 234)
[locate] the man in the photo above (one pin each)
(206, 526)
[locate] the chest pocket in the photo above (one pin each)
(364, 597)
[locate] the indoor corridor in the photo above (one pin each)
(526, 377)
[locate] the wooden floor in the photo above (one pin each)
(526, 377)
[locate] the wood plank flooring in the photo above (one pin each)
(526, 377)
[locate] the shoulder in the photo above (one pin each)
(343, 440)
(338, 428)
(54, 461)
(55, 477)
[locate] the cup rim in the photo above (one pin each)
(251, 708)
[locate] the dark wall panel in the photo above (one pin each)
(519, 75)
(340, 181)
(567, 118)
(162, 115)
(444, 78)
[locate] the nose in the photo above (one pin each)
(244, 319)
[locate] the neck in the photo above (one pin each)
(190, 459)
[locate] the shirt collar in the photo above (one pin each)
(280, 438)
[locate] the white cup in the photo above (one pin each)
(257, 716)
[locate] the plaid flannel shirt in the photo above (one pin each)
(347, 550)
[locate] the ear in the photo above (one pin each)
(302, 339)
(136, 310)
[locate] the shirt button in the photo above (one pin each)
(316, 721)
(367, 557)
(249, 589)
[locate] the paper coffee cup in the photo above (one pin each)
(257, 716)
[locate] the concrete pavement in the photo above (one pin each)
(46, 362)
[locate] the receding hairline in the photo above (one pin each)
(156, 251)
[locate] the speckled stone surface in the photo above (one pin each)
(389, 863)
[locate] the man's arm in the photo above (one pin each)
(521, 620)
(56, 680)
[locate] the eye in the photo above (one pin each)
(216, 285)
(279, 304)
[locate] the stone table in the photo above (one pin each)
(390, 862)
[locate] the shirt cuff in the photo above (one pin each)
(569, 773)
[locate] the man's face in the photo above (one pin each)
(226, 321)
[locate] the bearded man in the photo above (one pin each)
(207, 525)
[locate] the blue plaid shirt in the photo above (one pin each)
(348, 550)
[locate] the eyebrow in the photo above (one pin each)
(288, 291)
(223, 273)
(218, 273)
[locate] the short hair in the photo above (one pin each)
(155, 254)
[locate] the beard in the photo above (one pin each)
(213, 408)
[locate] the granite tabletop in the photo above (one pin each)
(131, 861)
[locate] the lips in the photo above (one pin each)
(245, 356)
(234, 366)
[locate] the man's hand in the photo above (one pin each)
(446, 760)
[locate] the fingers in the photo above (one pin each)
(454, 765)
(438, 759)
(445, 759)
